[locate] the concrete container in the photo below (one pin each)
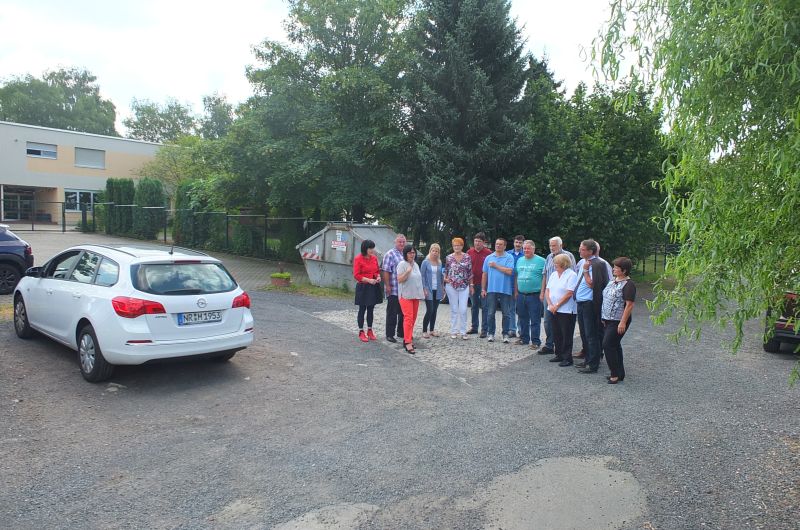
(328, 254)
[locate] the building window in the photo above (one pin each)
(41, 150)
(93, 158)
(74, 200)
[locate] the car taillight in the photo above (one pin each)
(133, 307)
(28, 250)
(243, 300)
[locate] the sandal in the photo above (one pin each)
(410, 348)
(426, 335)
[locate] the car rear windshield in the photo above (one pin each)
(182, 278)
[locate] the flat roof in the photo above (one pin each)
(39, 127)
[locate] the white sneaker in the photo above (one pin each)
(490, 338)
(454, 336)
(505, 339)
(464, 337)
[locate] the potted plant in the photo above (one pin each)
(281, 279)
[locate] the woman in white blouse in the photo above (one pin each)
(558, 295)
(409, 282)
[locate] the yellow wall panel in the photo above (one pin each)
(118, 165)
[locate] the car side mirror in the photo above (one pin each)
(34, 272)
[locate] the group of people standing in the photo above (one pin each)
(526, 287)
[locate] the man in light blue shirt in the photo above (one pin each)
(592, 279)
(497, 286)
(529, 272)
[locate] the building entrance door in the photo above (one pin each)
(17, 206)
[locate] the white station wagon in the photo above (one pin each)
(130, 304)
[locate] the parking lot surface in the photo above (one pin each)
(310, 428)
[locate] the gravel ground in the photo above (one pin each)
(311, 429)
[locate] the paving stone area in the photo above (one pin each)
(473, 355)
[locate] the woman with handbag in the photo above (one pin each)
(366, 271)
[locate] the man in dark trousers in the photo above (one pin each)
(592, 279)
(478, 254)
(394, 315)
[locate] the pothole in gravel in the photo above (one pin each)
(564, 493)
(554, 493)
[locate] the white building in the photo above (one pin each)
(42, 169)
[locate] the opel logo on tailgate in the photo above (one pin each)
(201, 303)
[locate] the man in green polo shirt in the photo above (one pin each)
(528, 290)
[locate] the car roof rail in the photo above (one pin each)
(121, 247)
(111, 247)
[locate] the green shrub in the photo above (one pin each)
(148, 221)
(120, 217)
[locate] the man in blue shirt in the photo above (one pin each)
(529, 272)
(497, 286)
(516, 252)
(592, 279)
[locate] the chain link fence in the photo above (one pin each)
(25, 214)
(656, 261)
(242, 234)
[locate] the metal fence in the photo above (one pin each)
(28, 214)
(244, 234)
(656, 260)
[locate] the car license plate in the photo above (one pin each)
(200, 317)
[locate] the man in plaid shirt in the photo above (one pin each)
(394, 315)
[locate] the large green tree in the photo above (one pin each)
(159, 123)
(597, 177)
(728, 75)
(324, 123)
(64, 99)
(463, 95)
(217, 117)
(189, 158)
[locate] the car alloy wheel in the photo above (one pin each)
(21, 324)
(94, 366)
(9, 277)
(86, 349)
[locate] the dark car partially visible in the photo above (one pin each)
(786, 328)
(16, 257)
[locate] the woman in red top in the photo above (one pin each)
(368, 290)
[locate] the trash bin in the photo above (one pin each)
(328, 254)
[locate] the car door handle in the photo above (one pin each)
(76, 295)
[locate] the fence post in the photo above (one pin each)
(266, 231)
(165, 224)
(227, 230)
(63, 216)
(655, 259)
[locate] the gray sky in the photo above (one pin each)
(157, 49)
